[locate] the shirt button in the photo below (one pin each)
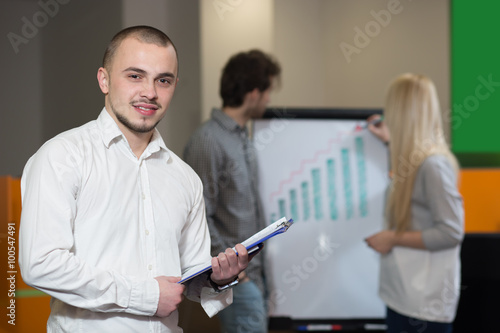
(143, 196)
(150, 267)
(147, 232)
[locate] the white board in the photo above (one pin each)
(330, 177)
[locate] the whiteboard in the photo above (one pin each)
(330, 176)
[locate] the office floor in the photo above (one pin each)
(193, 319)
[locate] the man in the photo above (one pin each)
(224, 158)
(112, 218)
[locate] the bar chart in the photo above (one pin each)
(330, 177)
(332, 186)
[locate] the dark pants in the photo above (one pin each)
(398, 323)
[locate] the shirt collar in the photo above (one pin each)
(110, 131)
(225, 121)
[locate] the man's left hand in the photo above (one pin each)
(227, 265)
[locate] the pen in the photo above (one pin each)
(319, 327)
(374, 122)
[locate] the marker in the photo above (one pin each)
(374, 122)
(319, 327)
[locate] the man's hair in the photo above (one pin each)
(243, 73)
(143, 33)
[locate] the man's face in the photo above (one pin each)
(139, 85)
(263, 100)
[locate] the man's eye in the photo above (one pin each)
(165, 81)
(134, 76)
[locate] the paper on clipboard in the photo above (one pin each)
(251, 244)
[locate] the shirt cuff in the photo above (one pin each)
(213, 302)
(144, 297)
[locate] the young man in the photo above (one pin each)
(112, 218)
(224, 158)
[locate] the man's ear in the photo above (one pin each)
(253, 95)
(103, 79)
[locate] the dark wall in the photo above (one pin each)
(72, 49)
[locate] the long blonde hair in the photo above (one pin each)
(413, 116)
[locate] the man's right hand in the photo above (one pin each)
(171, 295)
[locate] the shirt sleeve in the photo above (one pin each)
(50, 185)
(445, 203)
(194, 248)
(204, 156)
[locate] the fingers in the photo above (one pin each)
(227, 265)
(373, 117)
(172, 279)
(171, 295)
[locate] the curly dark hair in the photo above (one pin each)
(243, 73)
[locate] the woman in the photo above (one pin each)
(420, 247)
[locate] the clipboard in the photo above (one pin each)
(252, 244)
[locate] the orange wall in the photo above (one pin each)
(480, 189)
(31, 307)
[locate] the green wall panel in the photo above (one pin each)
(475, 68)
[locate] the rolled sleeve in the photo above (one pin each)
(445, 203)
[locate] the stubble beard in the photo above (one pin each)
(129, 125)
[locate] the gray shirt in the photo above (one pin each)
(424, 284)
(436, 204)
(223, 156)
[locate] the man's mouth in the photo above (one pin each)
(146, 110)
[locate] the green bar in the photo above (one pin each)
(25, 293)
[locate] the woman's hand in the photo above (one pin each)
(378, 128)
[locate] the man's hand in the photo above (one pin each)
(170, 295)
(226, 266)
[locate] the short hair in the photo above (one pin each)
(143, 33)
(243, 73)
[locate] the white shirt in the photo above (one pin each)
(98, 225)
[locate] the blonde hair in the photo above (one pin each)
(413, 116)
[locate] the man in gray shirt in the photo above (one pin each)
(223, 156)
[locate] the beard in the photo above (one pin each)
(144, 128)
(135, 128)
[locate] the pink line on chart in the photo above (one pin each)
(303, 163)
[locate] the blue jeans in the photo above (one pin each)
(247, 314)
(398, 323)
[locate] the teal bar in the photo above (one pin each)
(347, 184)
(282, 206)
(305, 200)
(360, 158)
(316, 177)
(332, 194)
(293, 205)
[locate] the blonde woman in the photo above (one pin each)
(420, 246)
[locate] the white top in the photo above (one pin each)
(98, 225)
(425, 284)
